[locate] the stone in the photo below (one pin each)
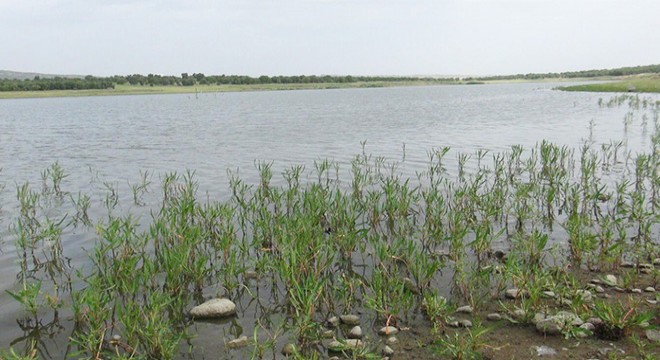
(328, 334)
(250, 275)
(656, 261)
(549, 294)
(545, 351)
(519, 314)
(652, 302)
(387, 351)
(627, 264)
(599, 289)
(584, 295)
(350, 319)
(636, 291)
(116, 337)
(467, 309)
(392, 340)
(650, 289)
(238, 343)
(645, 270)
(548, 326)
(214, 308)
(588, 326)
(332, 321)
(595, 321)
(653, 335)
(349, 344)
(610, 280)
(288, 349)
(596, 281)
(465, 323)
(388, 330)
(355, 333)
(410, 286)
(619, 289)
(454, 324)
(494, 317)
(513, 293)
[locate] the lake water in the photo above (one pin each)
(112, 139)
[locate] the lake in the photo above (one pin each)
(101, 141)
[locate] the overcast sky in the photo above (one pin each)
(358, 37)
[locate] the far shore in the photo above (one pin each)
(638, 83)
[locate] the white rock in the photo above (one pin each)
(584, 295)
(355, 332)
(610, 280)
(636, 291)
(388, 330)
(387, 351)
(513, 293)
(350, 319)
(349, 344)
(467, 309)
(392, 340)
(650, 289)
(214, 308)
(238, 343)
(494, 317)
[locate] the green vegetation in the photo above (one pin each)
(156, 84)
(649, 84)
(623, 71)
(330, 241)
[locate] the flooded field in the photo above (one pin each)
(504, 221)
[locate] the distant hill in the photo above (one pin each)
(17, 75)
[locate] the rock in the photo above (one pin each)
(116, 337)
(214, 308)
(650, 289)
(595, 321)
(636, 291)
(599, 289)
(549, 294)
(467, 309)
(545, 351)
(588, 326)
(619, 289)
(627, 264)
(387, 351)
(596, 281)
(645, 271)
(519, 314)
(333, 321)
(288, 349)
(328, 334)
(652, 302)
(548, 326)
(388, 330)
(238, 343)
(538, 317)
(355, 333)
(465, 323)
(656, 261)
(584, 295)
(610, 280)
(349, 344)
(646, 266)
(494, 317)
(513, 293)
(653, 335)
(454, 324)
(350, 319)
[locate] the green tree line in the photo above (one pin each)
(631, 70)
(91, 82)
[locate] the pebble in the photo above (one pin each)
(645, 271)
(388, 330)
(467, 309)
(627, 264)
(652, 302)
(656, 261)
(549, 294)
(588, 326)
(519, 314)
(653, 335)
(350, 319)
(238, 343)
(584, 295)
(387, 351)
(494, 317)
(355, 333)
(548, 327)
(348, 344)
(610, 280)
(214, 308)
(392, 340)
(599, 289)
(594, 321)
(328, 334)
(465, 323)
(636, 291)
(333, 321)
(596, 281)
(288, 349)
(545, 351)
(116, 337)
(650, 289)
(250, 275)
(619, 289)
(513, 293)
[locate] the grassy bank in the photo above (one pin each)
(139, 89)
(645, 84)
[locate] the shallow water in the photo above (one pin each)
(112, 139)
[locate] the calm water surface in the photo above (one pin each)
(112, 139)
